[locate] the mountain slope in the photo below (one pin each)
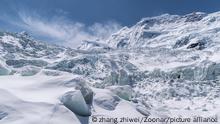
(192, 31)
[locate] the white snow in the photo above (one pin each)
(11, 40)
(35, 99)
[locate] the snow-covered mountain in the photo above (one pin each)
(164, 66)
(169, 31)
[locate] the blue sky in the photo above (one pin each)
(69, 21)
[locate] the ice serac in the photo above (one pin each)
(3, 115)
(74, 101)
(4, 70)
(121, 77)
(82, 85)
(124, 92)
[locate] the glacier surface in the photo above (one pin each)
(164, 66)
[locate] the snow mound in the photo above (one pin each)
(51, 72)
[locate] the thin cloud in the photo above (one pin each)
(63, 30)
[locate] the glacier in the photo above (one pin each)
(163, 66)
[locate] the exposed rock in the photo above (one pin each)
(181, 42)
(193, 17)
(197, 45)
